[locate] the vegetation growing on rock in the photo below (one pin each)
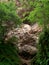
(28, 43)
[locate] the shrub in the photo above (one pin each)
(44, 47)
(40, 13)
(8, 53)
(8, 18)
(42, 56)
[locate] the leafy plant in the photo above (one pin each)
(42, 57)
(40, 13)
(8, 52)
(44, 47)
(9, 55)
(8, 18)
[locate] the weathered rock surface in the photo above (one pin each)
(27, 38)
(27, 41)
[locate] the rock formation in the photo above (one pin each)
(27, 40)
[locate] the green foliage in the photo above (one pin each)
(42, 57)
(8, 12)
(44, 47)
(9, 55)
(8, 17)
(40, 13)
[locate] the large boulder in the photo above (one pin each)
(27, 38)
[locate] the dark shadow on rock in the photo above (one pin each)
(26, 55)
